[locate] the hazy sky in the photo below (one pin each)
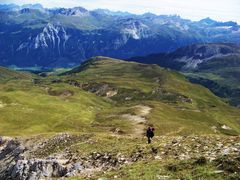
(222, 10)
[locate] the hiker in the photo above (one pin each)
(150, 134)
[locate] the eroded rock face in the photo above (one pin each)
(36, 169)
(14, 163)
(11, 151)
(100, 89)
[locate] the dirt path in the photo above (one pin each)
(1, 104)
(175, 132)
(138, 120)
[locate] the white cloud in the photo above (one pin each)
(222, 10)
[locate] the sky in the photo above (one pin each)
(221, 10)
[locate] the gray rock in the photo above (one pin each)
(37, 169)
(74, 169)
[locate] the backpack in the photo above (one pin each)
(151, 134)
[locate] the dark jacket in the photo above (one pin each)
(149, 133)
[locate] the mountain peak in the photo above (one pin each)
(14, 7)
(32, 6)
(76, 11)
(149, 14)
(88, 63)
(208, 20)
(111, 13)
(98, 58)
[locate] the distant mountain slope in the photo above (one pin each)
(216, 66)
(7, 74)
(63, 37)
(114, 96)
(14, 7)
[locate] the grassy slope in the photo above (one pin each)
(28, 108)
(32, 111)
(42, 109)
(183, 118)
(6, 75)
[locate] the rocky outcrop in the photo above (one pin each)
(36, 169)
(53, 158)
(15, 163)
(11, 151)
(100, 89)
(20, 163)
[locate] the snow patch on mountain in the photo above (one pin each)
(197, 54)
(223, 27)
(76, 11)
(136, 30)
(52, 35)
(192, 63)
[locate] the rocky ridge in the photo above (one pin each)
(54, 157)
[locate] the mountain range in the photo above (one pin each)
(31, 35)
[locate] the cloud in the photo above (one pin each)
(222, 10)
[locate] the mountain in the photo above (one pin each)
(64, 37)
(208, 21)
(77, 11)
(91, 121)
(9, 7)
(14, 7)
(215, 66)
(112, 13)
(193, 57)
(105, 94)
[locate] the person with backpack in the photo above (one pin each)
(150, 134)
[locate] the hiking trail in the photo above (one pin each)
(139, 119)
